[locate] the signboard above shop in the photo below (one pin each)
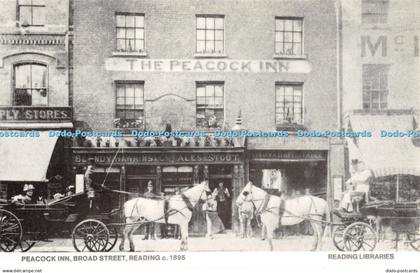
(207, 65)
(35, 114)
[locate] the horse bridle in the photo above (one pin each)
(263, 205)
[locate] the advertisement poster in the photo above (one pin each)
(203, 135)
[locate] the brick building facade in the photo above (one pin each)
(195, 65)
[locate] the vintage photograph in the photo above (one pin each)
(209, 125)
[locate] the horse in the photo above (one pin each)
(294, 211)
(176, 209)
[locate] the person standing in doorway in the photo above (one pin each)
(213, 221)
(222, 194)
(150, 227)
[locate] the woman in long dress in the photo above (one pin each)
(214, 224)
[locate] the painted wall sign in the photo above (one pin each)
(29, 113)
(156, 158)
(207, 65)
(287, 155)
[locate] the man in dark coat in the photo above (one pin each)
(150, 227)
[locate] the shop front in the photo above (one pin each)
(29, 154)
(168, 169)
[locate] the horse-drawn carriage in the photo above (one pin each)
(359, 230)
(21, 226)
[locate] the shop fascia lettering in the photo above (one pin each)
(160, 158)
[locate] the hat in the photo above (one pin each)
(91, 161)
(28, 187)
(150, 183)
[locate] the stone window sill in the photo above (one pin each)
(210, 55)
(129, 54)
(290, 57)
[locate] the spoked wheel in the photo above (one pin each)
(338, 237)
(360, 236)
(26, 243)
(10, 231)
(90, 235)
(113, 238)
(415, 241)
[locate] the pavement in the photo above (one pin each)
(220, 242)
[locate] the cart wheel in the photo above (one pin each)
(415, 241)
(10, 231)
(360, 236)
(90, 235)
(338, 238)
(113, 238)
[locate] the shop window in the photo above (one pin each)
(289, 36)
(375, 11)
(289, 104)
(174, 178)
(31, 13)
(210, 105)
(210, 34)
(375, 86)
(129, 105)
(130, 32)
(30, 85)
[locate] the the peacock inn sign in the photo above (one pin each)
(207, 65)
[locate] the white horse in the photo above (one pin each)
(178, 211)
(295, 211)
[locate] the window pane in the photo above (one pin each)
(279, 36)
(288, 48)
(288, 36)
(130, 45)
(218, 91)
(25, 17)
(201, 22)
(129, 102)
(39, 77)
(201, 100)
(201, 91)
(297, 37)
(209, 90)
(297, 25)
(219, 23)
(209, 46)
(120, 32)
(210, 101)
(130, 33)
(129, 21)
(218, 101)
(139, 32)
(39, 97)
(210, 35)
(210, 23)
(279, 48)
(120, 21)
(288, 25)
(129, 91)
(22, 76)
(200, 46)
(139, 21)
(38, 17)
(121, 44)
(201, 35)
(297, 49)
(120, 101)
